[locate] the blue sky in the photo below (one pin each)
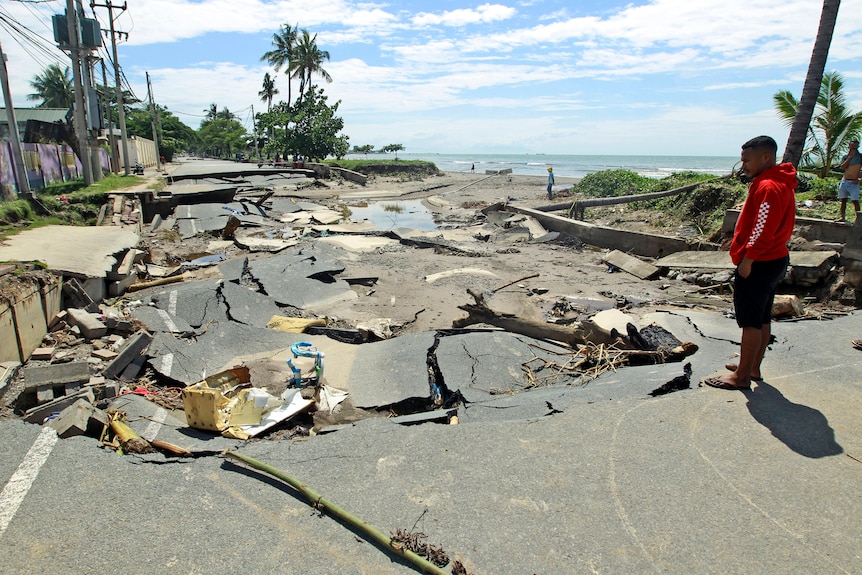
(676, 77)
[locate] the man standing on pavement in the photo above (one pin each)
(849, 186)
(759, 252)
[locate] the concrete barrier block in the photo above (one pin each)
(30, 322)
(8, 336)
(90, 325)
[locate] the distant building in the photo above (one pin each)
(34, 124)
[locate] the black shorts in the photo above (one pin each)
(753, 296)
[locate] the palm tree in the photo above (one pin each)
(212, 113)
(54, 87)
(282, 55)
(268, 92)
(308, 60)
(830, 129)
(811, 88)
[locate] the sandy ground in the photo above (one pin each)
(570, 276)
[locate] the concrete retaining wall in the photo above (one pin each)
(809, 228)
(24, 320)
(637, 243)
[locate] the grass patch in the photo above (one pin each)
(69, 203)
(406, 169)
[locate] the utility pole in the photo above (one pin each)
(115, 161)
(254, 131)
(156, 123)
(121, 111)
(80, 118)
(14, 135)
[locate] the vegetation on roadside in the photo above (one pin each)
(68, 203)
(405, 169)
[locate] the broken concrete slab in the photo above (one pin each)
(39, 413)
(188, 361)
(57, 374)
(291, 279)
(806, 268)
(638, 268)
(129, 352)
(90, 325)
(460, 271)
(261, 242)
(390, 372)
(357, 243)
(85, 251)
(8, 370)
(191, 228)
(79, 418)
(248, 306)
(232, 270)
(195, 302)
(157, 319)
(485, 364)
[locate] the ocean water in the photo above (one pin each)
(572, 166)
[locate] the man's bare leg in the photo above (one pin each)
(751, 352)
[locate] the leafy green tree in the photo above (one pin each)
(221, 134)
(390, 148)
(307, 61)
(281, 55)
(364, 149)
(831, 128)
(53, 87)
(309, 128)
(175, 136)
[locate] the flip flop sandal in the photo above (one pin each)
(733, 366)
(719, 383)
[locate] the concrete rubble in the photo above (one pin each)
(277, 258)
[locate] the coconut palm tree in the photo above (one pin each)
(284, 42)
(54, 87)
(308, 60)
(831, 127)
(811, 89)
(268, 92)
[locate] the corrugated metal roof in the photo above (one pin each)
(49, 115)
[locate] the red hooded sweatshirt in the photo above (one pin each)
(768, 216)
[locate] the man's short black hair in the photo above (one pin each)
(761, 142)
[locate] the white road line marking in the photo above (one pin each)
(169, 323)
(21, 481)
(156, 422)
(167, 363)
(172, 302)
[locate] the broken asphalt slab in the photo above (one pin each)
(301, 281)
(191, 360)
(84, 251)
(196, 303)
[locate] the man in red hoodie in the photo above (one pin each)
(759, 252)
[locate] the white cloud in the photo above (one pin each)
(464, 16)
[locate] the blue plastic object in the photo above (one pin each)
(305, 349)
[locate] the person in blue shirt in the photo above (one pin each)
(550, 183)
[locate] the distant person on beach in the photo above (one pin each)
(849, 186)
(759, 252)
(550, 183)
(472, 167)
